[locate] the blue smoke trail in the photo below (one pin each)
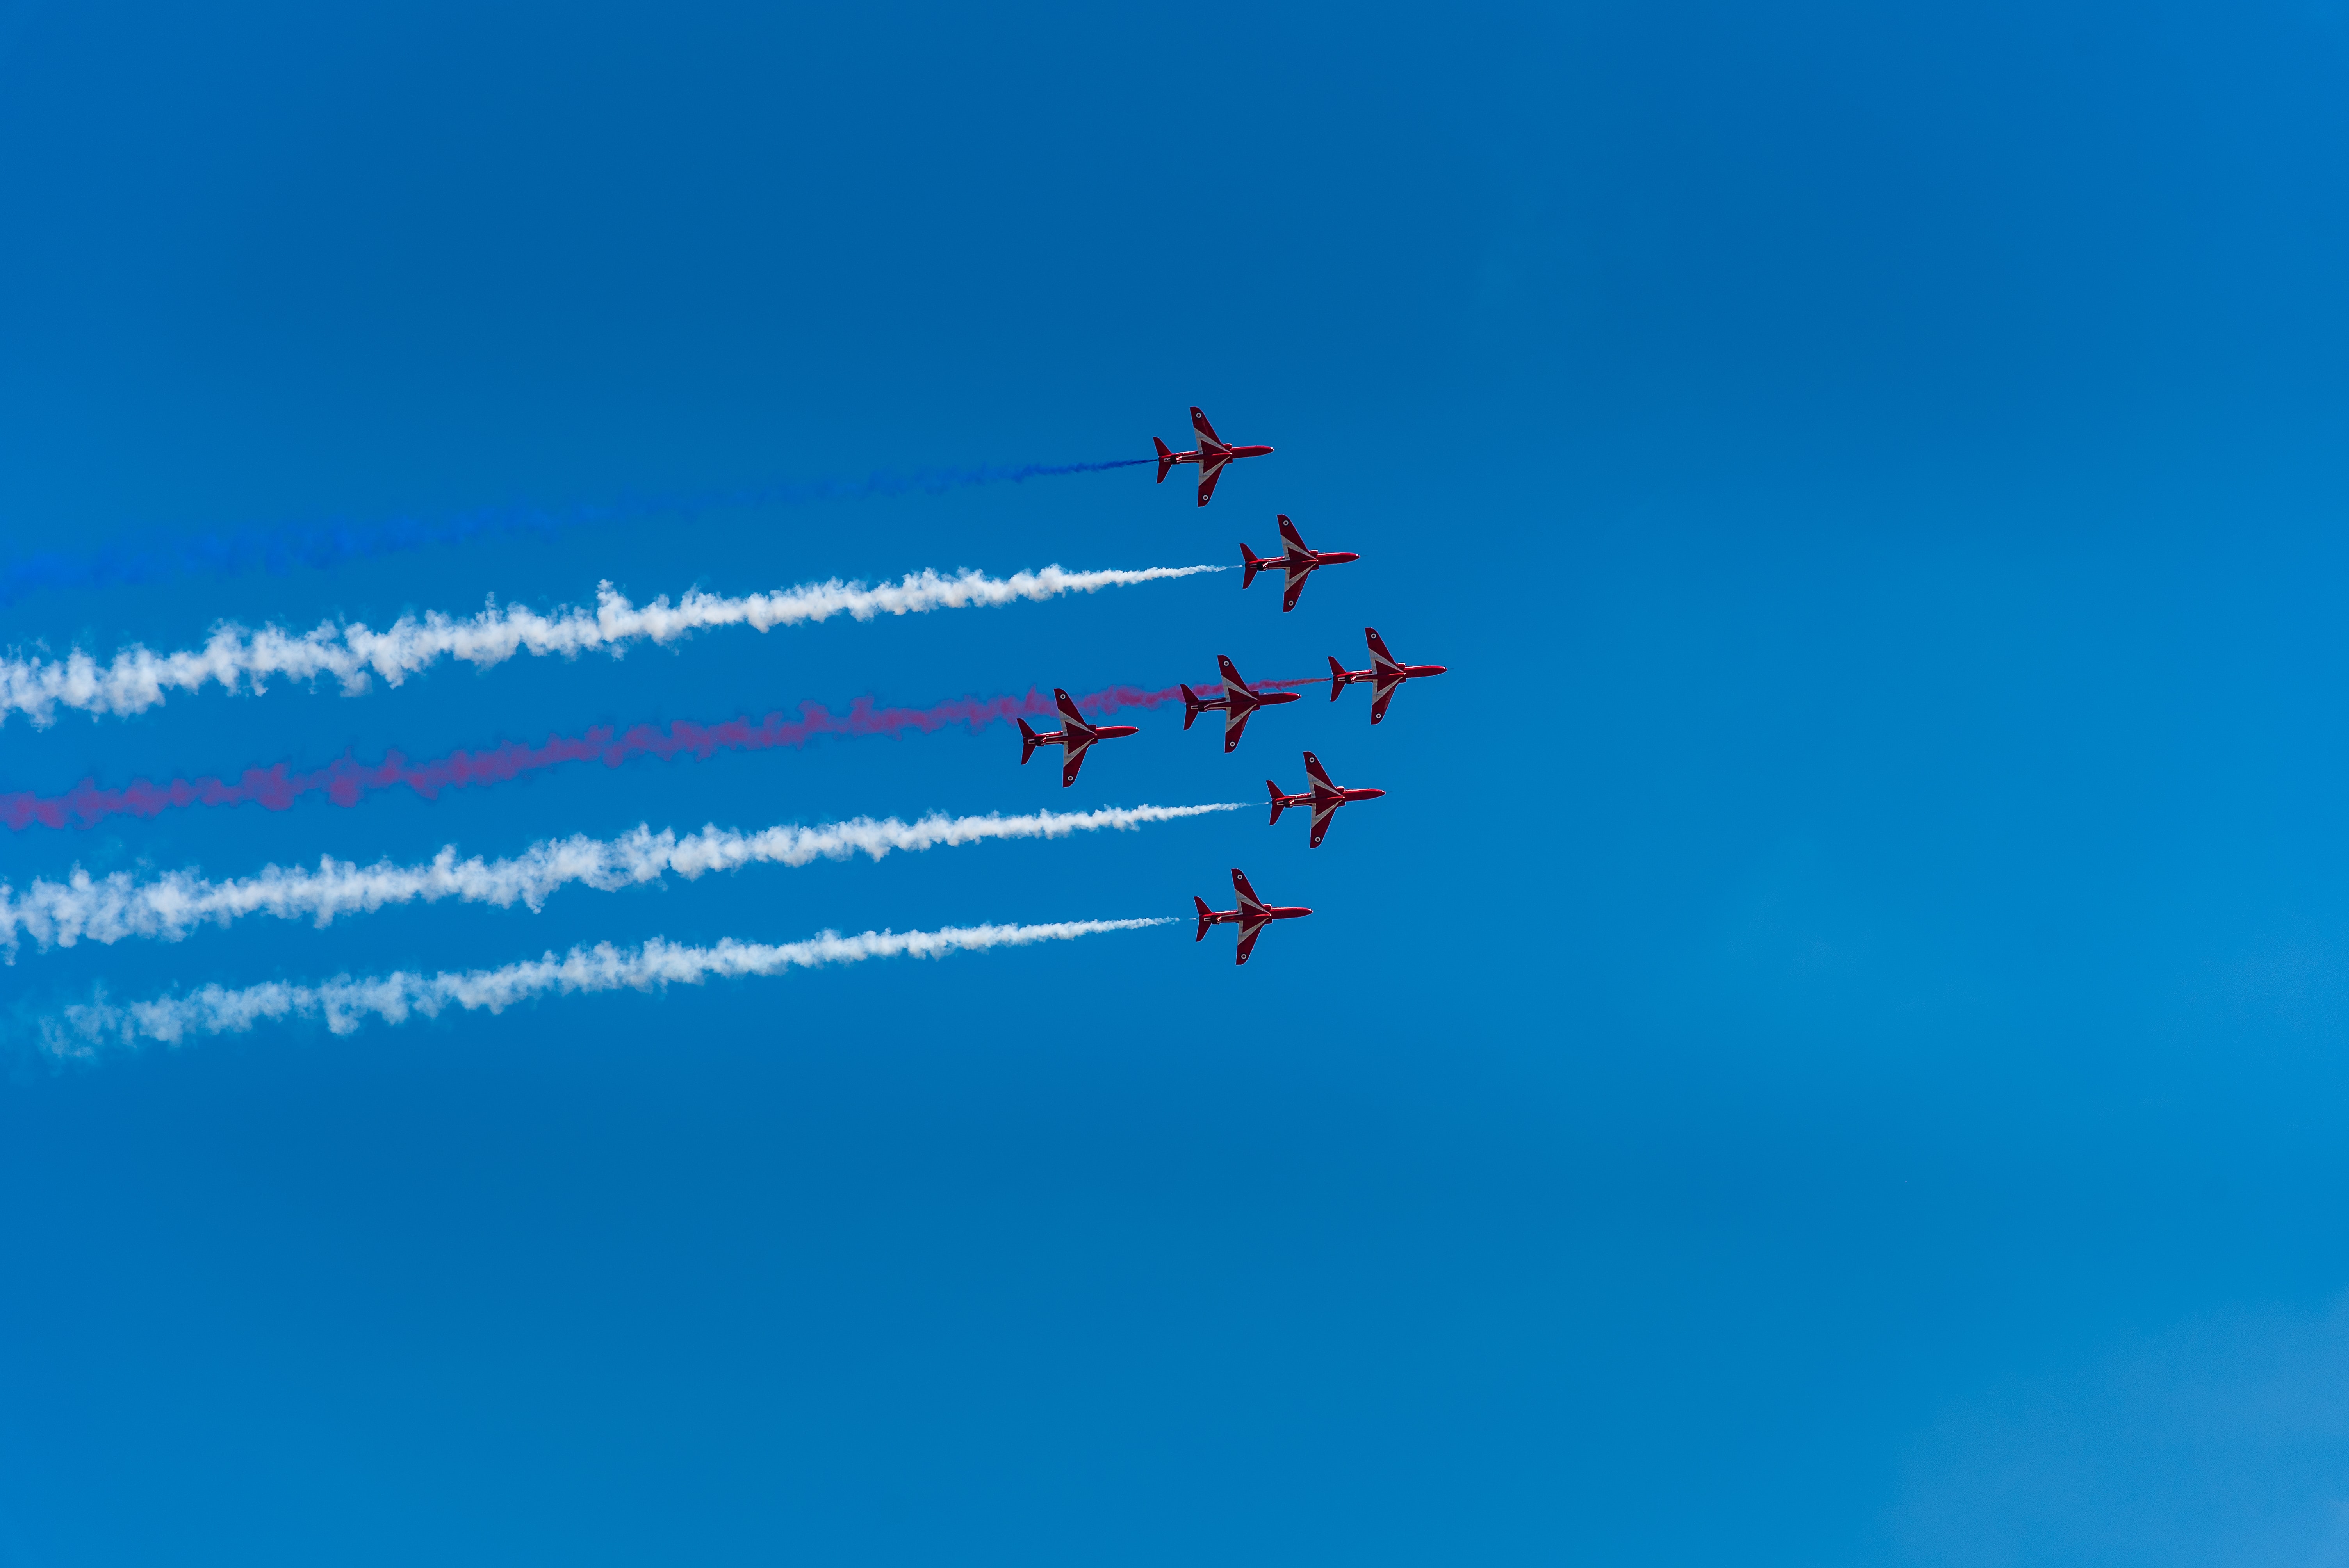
(279, 550)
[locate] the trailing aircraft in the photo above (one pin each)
(1386, 675)
(1211, 454)
(1237, 702)
(1252, 916)
(1294, 559)
(1322, 796)
(1073, 736)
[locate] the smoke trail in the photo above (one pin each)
(138, 678)
(279, 550)
(346, 781)
(83, 1029)
(170, 906)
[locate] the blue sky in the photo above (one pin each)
(1830, 1051)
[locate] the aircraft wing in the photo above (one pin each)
(1204, 431)
(1210, 470)
(1234, 720)
(1324, 808)
(1380, 657)
(1315, 771)
(1070, 719)
(1383, 692)
(1290, 537)
(1074, 759)
(1296, 586)
(1249, 902)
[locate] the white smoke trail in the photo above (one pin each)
(81, 1030)
(83, 908)
(138, 678)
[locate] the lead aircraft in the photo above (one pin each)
(1237, 702)
(1324, 797)
(1073, 736)
(1386, 675)
(1294, 559)
(1252, 916)
(1211, 454)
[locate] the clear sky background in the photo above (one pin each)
(1830, 1052)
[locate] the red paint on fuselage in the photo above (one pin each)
(1409, 673)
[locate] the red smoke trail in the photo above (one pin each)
(346, 781)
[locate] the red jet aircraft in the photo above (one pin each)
(1237, 702)
(1073, 736)
(1294, 559)
(1385, 674)
(1252, 916)
(1211, 454)
(1324, 797)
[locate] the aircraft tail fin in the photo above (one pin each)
(1190, 706)
(1250, 565)
(1279, 801)
(1337, 678)
(1165, 457)
(1207, 917)
(1028, 741)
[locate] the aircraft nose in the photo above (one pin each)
(1435, 669)
(1371, 794)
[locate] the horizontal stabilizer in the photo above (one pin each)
(1166, 458)
(1250, 565)
(1337, 678)
(1207, 917)
(1279, 801)
(1028, 741)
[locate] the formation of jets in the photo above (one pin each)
(1386, 675)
